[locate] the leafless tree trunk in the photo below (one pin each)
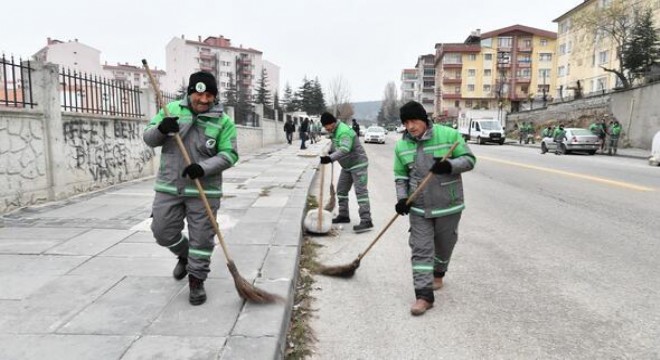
(340, 94)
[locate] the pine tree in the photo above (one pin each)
(288, 103)
(263, 94)
(643, 49)
(317, 101)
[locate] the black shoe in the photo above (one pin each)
(197, 292)
(341, 219)
(363, 226)
(180, 271)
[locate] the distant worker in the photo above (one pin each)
(289, 129)
(547, 132)
(356, 128)
(613, 131)
(559, 136)
(303, 131)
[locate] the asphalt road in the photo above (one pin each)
(556, 259)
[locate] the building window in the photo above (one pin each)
(470, 88)
(472, 72)
(452, 59)
(457, 90)
(468, 104)
(562, 49)
(429, 71)
(545, 57)
(561, 71)
(524, 58)
(472, 57)
(487, 88)
(488, 72)
(602, 57)
(543, 42)
(544, 73)
(488, 57)
(504, 42)
(484, 104)
(457, 104)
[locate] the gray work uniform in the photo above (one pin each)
(349, 152)
(210, 139)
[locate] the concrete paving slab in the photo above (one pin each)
(126, 309)
(32, 233)
(248, 259)
(281, 263)
(259, 233)
(17, 286)
(216, 317)
(52, 305)
(261, 214)
(25, 246)
(130, 266)
(270, 202)
(126, 249)
(63, 347)
(258, 320)
(36, 265)
(250, 348)
(140, 237)
(175, 348)
(90, 243)
(73, 210)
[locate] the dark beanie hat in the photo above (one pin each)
(413, 110)
(202, 81)
(327, 118)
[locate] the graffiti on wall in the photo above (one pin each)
(108, 151)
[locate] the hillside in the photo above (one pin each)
(366, 111)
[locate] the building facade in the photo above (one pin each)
(408, 84)
(425, 85)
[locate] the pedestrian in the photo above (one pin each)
(289, 129)
(303, 130)
(347, 150)
(614, 131)
(210, 137)
(558, 137)
(356, 127)
(547, 132)
(599, 129)
(316, 130)
(434, 213)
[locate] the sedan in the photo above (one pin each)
(577, 139)
(374, 134)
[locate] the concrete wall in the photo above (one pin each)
(636, 109)
(47, 154)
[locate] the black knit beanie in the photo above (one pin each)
(413, 110)
(202, 81)
(327, 118)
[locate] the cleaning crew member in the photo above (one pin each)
(348, 151)
(436, 211)
(614, 131)
(209, 135)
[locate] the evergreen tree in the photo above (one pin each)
(230, 93)
(317, 101)
(288, 103)
(643, 50)
(263, 94)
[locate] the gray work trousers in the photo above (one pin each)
(168, 214)
(359, 179)
(431, 242)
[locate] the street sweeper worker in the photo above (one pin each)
(347, 150)
(436, 211)
(210, 138)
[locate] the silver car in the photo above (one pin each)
(375, 134)
(577, 140)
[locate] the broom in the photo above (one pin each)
(348, 270)
(330, 206)
(245, 290)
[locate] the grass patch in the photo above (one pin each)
(300, 339)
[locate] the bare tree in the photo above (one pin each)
(389, 107)
(340, 94)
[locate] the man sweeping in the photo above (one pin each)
(436, 212)
(348, 151)
(210, 137)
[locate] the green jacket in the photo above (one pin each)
(615, 130)
(346, 148)
(210, 139)
(413, 159)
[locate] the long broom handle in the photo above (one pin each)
(186, 157)
(421, 186)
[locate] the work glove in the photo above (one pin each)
(169, 125)
(401, 207)
(193, 171)
(441, 167)
(326, 160)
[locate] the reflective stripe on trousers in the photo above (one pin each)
(359, 179)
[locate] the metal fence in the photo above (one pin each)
(85, 93)
(16, 83)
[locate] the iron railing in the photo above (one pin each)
(16, 83)
(86, 93)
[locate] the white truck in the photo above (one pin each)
(482, 126)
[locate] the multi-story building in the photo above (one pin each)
(232, 66)
(132, 76)
(505, 68)
(72, 55)
(425, 85)
(408, 84)
(583, 51)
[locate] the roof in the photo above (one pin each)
(519, 28)
(237, 49)
(575, 9)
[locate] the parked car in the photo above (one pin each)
(577, 140)
(374, 134)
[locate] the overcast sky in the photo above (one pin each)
(367, 43)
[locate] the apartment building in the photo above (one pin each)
(408, 84)
(230, 65)
(509, 68)
(72, 55)
(425, 84)
(132, 76)
(584, 51)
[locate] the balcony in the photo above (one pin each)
(206, 56)
(524, 79)
(451, 96)
(522, 48)
(452, 65)
(524, 64)
(452, 80)
(207, 68)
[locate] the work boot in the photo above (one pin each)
(341, 219)
(197, 292)
(363, 226)
(437, 283)
(420, 306)
(180, 270)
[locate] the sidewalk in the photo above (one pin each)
(84, 279)
(621, 152)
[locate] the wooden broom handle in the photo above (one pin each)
(186, 157)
